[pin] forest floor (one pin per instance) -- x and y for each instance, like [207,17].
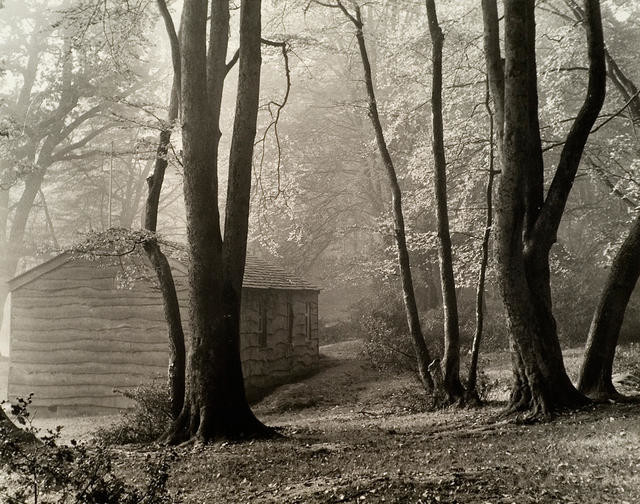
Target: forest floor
[352,434]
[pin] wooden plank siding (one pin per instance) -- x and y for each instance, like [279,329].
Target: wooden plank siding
[76,336]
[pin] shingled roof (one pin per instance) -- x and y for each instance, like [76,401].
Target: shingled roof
[261,274]
[258,274]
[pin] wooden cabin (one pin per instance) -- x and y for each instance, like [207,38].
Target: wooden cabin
[77,334]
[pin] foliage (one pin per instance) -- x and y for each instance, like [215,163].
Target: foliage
[49,472]
[146,422]
[383,326]
[124,248]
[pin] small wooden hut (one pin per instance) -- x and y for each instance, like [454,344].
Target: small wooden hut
[77,335]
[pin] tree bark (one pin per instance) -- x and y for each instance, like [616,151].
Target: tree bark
[423,357]
[451,356]
[177,357]
[471,392]
[215,404]
[495,65]
[176,368]
[526,225]
[597,366]
[595,373]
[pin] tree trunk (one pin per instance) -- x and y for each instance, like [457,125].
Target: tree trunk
[451,357]
[234,249]
[176,369]
[423,356]
[215,402]
[495,65]
[597,366]
[4,250]
[471,392]
[527,225]
[595,374]
[177,358]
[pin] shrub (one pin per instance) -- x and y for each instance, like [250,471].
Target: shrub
[147,421]
[45,471]
[383,326]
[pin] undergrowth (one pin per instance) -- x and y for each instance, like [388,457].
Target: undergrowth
[45,471]
[147,421]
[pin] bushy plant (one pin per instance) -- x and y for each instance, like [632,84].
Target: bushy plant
[383,326]
[147,421]
[39,469]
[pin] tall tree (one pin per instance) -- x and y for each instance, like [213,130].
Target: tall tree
[451,356]
[215,403]
[428,370]
[471,391]
[61,105]
[595,378]
[527,221]
[177,358]
[595,373]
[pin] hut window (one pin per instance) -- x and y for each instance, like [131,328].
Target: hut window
[307,320]
[290,323]
[262,323]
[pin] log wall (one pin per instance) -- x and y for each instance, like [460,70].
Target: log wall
[76,336]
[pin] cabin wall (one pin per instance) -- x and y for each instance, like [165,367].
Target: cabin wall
[76,336]
[280,359]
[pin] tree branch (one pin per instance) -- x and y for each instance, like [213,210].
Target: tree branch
[546,225]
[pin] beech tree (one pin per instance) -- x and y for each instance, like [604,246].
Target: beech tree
[177,356]
[215,403]
[527,221]
[597,367]
[63,108]
[451,357]
[471,392]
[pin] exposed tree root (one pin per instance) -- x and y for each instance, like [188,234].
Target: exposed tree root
[604,391]
[528,407]
[192,426]
[444,394]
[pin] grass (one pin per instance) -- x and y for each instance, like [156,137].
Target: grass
[354,435]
